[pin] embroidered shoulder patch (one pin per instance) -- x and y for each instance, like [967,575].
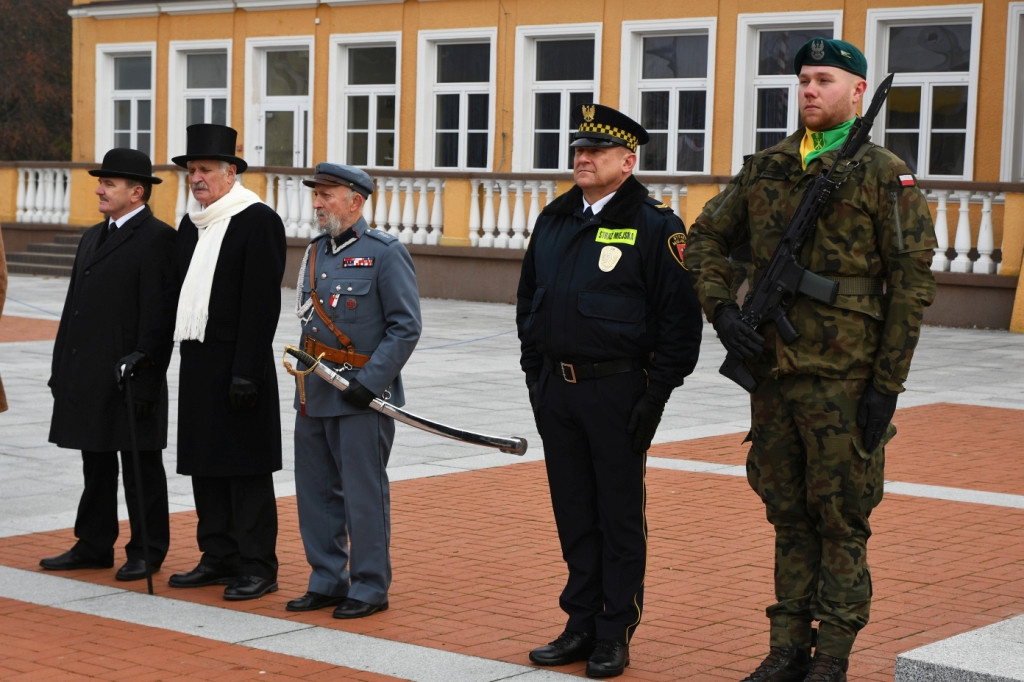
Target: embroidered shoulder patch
[357,263]
[677,246]
[907,180]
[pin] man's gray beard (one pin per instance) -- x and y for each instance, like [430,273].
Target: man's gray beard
[332,225]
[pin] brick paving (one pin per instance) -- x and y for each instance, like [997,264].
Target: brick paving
[477,570]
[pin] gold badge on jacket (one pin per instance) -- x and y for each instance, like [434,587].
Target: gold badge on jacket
[610,256]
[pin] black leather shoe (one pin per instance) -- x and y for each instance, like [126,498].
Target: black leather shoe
[70,561]
[783,664]
[609,659]
[353,608]
[201,576]
[134,569]
[311,601]
[249,587]
[568,647]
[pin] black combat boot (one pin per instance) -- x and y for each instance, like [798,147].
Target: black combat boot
[827,668]
[783,664]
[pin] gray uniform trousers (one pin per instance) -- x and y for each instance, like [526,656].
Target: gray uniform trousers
[346,523]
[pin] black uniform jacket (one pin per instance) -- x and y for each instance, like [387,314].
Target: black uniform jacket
[121,298]
[215,438]
[608,288]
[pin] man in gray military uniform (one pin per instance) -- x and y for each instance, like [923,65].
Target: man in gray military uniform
[359,307]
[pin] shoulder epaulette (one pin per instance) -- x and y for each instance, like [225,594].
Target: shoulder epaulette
[381,235]
[658,204]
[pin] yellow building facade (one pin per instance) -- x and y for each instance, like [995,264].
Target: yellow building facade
[459,91]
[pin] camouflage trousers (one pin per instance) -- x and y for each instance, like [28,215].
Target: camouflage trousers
[819,486]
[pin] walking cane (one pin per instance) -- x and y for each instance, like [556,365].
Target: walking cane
[126,381]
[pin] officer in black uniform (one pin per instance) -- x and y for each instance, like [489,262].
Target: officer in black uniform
[609,325]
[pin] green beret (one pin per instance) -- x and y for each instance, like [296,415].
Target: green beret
[831,52]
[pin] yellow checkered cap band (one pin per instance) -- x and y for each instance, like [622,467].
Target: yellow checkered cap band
[618,133]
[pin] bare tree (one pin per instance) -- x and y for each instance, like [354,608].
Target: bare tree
[35,89]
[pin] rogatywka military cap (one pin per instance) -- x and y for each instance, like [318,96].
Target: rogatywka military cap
[600,126]
[340,174]
[831,52]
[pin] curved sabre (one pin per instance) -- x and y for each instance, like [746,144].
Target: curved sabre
[512,445]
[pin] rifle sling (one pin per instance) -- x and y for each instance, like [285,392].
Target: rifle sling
[857,286]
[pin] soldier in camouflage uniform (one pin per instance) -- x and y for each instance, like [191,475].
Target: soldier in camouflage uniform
[821,413]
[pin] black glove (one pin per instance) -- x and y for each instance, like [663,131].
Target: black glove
[127,365]
[243,393]
[874,414]
[737,336]
[357,395]
[645,419]
[144,409]
[534,391]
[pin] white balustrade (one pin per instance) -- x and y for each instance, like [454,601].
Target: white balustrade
[986,238]
[488,222]
[940,262]
[43,195]
[412,209]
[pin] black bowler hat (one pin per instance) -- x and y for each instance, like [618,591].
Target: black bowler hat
[600,126]
[122,162]
[339,174]
[211,141]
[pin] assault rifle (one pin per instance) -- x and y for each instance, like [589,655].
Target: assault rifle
[785,277]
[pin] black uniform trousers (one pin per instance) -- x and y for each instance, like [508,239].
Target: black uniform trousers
[237,523]
[96,525]
[598,497]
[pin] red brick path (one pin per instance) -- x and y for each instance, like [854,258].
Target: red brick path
[477,570]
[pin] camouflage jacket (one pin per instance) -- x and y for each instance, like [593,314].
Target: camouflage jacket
[877,226]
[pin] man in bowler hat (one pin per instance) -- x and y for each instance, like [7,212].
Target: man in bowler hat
[116,326]
[231,257]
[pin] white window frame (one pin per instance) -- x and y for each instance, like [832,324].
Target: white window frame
[256,50]
[748,26]
[525,83]
[631,75]
[1011,167]
[104,124]
[177,84]
[427,88]
[338,90]
[876,51]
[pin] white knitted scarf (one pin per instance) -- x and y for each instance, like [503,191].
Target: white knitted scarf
[212,223]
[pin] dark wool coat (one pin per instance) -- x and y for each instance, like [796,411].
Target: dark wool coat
[121,298]
[215,438]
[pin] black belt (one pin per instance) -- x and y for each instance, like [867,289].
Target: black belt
[575,371]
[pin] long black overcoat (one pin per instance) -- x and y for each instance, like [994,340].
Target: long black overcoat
[121,298]
[214,438]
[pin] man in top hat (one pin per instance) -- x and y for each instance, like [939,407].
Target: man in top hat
[116,326]
[609,326]
[821,411]
[359,308]
[231,259]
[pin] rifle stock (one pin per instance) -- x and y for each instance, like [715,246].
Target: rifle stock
[784,277]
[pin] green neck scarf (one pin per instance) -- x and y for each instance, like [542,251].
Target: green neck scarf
[815,144]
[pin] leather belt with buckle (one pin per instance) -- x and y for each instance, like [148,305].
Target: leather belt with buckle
[573,372]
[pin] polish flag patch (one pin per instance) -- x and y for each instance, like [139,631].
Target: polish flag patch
[907,180]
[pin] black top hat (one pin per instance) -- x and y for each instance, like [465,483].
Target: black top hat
[211,141]
[121,162]
[601,126]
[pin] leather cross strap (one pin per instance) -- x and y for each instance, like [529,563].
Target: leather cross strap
[347,353]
